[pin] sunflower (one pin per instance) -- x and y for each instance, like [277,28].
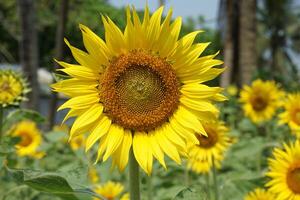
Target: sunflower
[141,88]
[260,194]
[109,190]
[284,171]
[77,143]
[232,90]
[261,100]
[93,175]
[13,88]
[291,116]
[30,139]
[213,146]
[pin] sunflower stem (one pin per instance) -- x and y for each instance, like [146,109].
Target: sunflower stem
[215,181]
[134,180]
[207,185]
[186,176]
[149,187]
[1,121]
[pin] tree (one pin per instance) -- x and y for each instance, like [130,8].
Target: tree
[59,54]
[247,40]
[29,49]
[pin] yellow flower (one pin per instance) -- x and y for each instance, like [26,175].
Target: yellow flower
[260,194]
[30,139]
[284,171]
[260,100]
[78,142]
[125,196]
[232,90]
[213,146]
[110,190]
[12,88]
[62,128]
[141,88]
[291,116]
[93,175]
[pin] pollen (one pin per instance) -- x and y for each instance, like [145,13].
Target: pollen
[139,90]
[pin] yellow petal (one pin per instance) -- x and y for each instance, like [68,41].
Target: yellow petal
[121,155]
[114,137]
[80,102]
[100,130]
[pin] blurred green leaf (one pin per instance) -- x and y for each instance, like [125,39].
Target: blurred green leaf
[191,194]
[22,114]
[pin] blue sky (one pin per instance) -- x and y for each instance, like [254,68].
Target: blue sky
[184,8]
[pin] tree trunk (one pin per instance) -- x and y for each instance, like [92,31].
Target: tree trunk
[59,54]
[228,44]
[247,40]
[29,49]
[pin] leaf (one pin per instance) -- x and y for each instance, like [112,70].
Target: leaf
[7,145]
[51,183]
[190,194]
[22,114]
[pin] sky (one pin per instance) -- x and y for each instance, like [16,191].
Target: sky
[184,8]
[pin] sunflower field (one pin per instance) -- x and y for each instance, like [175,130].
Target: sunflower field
[105,101]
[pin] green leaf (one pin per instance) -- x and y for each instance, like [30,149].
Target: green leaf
[190,194]
[7,145]
[51,183]
[22,114]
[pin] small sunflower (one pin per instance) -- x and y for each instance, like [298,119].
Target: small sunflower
[30,139]
[141,88]
[109,190]
[93,175]
[13,88]
[260,100]
[232,90]
[284,171]
[212,146]
[291,115]
[78,142]
[260,194]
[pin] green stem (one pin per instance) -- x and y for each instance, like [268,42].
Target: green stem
[207,185]
[134,181]
[149,187]
[186,175]
[214,171]
[1,121]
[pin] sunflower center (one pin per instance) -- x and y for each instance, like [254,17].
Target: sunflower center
[293,178]
[140,91]
[210,140]
[297,116]
[25,140]
[259,103]
[5,86]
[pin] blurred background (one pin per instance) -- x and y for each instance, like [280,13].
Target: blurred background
[256,38]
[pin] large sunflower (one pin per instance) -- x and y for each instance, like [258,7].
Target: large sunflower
[13,88]
[213,146]
[142,88]
[261,100]
[30,139]
[291,115]
[260,194]
[285,172]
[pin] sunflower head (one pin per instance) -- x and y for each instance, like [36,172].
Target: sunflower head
[291,115]
[232,90]
[260,100]
[285,171]
[13,88]
[142,88]
[30,139]
[110,190]
[214,145]
[78,142]
[260,194]
[93,175]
